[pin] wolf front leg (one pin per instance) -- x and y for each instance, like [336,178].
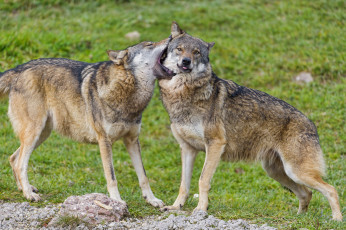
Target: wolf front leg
[188,156]
[133,148]
[214,150]
[107,162]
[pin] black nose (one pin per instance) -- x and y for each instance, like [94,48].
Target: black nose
[186,61]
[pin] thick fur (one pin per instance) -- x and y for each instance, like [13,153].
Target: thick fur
[236,123]
[91,103]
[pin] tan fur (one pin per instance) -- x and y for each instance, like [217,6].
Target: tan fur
[235,123]
[91,103]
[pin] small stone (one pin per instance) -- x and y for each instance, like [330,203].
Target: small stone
[112,224]
[221,223]
[304,77]
[134,35]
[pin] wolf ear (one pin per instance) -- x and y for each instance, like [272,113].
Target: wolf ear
[175,30]
[211,45]
[117,56]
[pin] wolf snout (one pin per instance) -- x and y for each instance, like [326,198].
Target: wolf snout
[185,65]
[186,61]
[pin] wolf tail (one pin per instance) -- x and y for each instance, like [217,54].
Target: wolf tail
[5,82]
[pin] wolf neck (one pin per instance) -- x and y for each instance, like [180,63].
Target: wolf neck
[187,86]
[183,93]
[125,89]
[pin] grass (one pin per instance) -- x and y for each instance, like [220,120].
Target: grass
[71,222]
[259,44]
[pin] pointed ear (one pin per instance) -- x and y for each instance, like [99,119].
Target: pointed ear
[211,45]
[175,30]
[117,56]
[112,54]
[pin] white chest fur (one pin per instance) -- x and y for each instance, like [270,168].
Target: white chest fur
[192,133]
[118,130]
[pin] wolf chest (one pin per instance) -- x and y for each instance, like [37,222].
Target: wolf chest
[192,133]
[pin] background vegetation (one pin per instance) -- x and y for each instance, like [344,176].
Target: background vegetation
[259,44]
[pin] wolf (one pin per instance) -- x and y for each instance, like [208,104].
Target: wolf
[236,123]
[96,103]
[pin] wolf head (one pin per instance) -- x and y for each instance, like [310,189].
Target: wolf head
[187,54]
[143,59]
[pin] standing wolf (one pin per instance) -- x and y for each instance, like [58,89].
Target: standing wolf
[90,103]
[235,123]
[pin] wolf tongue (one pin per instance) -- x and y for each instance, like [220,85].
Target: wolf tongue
[184,67]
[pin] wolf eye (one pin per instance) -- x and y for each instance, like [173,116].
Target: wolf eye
[149,43]
[196,52]
[179,49]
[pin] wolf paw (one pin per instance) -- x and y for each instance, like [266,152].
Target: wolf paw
[34,189]
[157,203]
[169,208]
[199,210]
[123,202]
[119,200]
[32,196]
[337,217]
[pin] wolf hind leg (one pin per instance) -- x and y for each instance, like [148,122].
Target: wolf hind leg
[28,142]
[275,170]
[314,180]
[31,133]
[13,160]
[306,167]
[14,157]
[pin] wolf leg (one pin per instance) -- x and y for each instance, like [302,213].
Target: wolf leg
[328,191]
[188,156]
[133,148]
[107,163]
[214,151]
[14,157]
[13,161]
[306,168]
[32,134]
[275,170]
[314,180]
[20,167]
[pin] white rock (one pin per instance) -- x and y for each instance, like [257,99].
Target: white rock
[304,77]
[134,35]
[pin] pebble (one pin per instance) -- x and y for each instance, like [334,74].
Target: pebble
[132,36]
[304,77]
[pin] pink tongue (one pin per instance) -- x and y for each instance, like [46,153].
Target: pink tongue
[184,67]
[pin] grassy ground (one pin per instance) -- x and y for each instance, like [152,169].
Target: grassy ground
[259,44]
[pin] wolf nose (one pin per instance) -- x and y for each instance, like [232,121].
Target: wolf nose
[186,61]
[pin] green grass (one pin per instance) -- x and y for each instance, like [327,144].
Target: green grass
[259,44]
[71,222]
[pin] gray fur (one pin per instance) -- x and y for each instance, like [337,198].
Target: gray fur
[87,102]
[233,123]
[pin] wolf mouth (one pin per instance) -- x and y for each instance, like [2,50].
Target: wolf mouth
[184,69]
[168,73]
